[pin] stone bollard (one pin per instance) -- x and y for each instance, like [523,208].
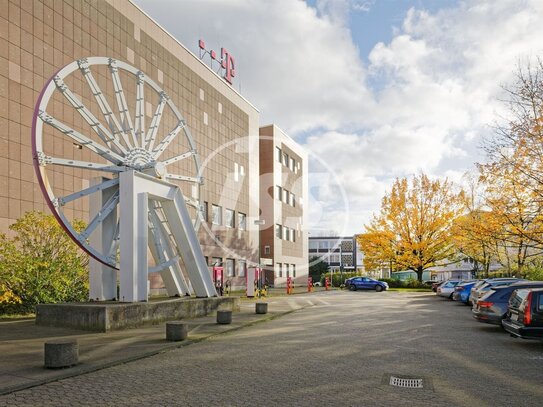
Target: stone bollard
[261,308]
[224,317]
[176,331]
[59,354]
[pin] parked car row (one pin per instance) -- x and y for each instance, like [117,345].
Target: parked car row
[515,304]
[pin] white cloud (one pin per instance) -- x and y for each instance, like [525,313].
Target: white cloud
[421,104]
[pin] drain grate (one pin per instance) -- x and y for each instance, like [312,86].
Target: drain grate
[409,383]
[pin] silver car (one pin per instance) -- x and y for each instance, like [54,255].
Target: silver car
[447,288]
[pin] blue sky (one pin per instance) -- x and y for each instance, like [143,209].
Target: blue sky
[376,89]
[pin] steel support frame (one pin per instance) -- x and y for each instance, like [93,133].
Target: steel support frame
[136,189]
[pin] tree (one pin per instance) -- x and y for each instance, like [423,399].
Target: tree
[317,267]
[413,229]
[41,264]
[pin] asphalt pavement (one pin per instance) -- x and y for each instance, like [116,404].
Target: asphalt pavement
[341,348]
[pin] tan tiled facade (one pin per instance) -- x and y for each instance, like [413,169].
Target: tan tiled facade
[283,195]
[39,37]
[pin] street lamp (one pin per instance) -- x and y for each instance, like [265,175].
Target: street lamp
[259,222]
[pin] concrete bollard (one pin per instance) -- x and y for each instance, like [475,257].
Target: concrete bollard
[261,307]
[59,354]
[224,317]
[176,331]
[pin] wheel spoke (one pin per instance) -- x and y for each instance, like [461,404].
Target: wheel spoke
[179,157]
[197,180]
[126,119]
[86,165]
[168,139]
[155,122]
[111,119]
[87,191]
[86,114]
[81,139]
[140,109]
[110,204]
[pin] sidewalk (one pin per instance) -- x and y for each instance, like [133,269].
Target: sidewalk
[22,342]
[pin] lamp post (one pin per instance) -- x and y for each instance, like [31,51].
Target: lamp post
[259,223]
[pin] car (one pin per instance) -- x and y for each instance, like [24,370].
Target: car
[525,314]
[462,291]
[435,285]
[492,307]
[485,285]
[365,283]
[447,288]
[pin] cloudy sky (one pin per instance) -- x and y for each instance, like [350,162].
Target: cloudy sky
[375,89]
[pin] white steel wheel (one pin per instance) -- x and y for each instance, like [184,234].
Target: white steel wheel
[95,112]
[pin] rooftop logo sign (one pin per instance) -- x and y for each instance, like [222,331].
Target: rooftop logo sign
[226,64]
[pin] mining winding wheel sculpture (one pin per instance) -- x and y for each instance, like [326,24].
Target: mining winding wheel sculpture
[139,185]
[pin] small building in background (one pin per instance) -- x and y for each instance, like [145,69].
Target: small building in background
[340,253]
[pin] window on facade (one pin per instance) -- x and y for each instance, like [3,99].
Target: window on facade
[279,154]
[279,192]
[285,159]
[207,260]
[292,199]
[266,249]
[285,196]
[313,245]
[287,233]
[229,218]
[291,164]
[287,270]
[279,231]
[294,270]
[242,221]
[278,270]
[216,261]
[323,244]
[242,266]
[217,214]
[229,267]
[293,235]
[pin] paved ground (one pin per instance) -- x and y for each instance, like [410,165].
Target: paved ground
[336,352]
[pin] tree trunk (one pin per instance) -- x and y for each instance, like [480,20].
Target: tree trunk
[419,273]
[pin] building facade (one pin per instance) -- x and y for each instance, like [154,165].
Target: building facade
[42,36]
[340,253]
[283,198]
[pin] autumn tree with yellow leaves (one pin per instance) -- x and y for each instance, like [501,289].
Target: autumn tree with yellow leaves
[414,228]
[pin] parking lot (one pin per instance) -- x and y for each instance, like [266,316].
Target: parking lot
[340,351]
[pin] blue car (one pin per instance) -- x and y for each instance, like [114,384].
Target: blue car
[365,283]
[463,290]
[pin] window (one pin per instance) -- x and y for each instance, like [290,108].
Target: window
[279,231]
[313,244]
[216,261]
[323,244]
[279,154]
[292,199]
[267,249]
[285,159]
[287,272]
[279,192]
[294,270]
[287,233]
[242,224]
[242,266]
[285,196]
[278,270]
[229,218]
[293,234]
[207,260]
[291,164]
[217,214]
[229,267]
[205,211]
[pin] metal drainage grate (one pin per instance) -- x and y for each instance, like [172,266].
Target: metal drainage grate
[409,383]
